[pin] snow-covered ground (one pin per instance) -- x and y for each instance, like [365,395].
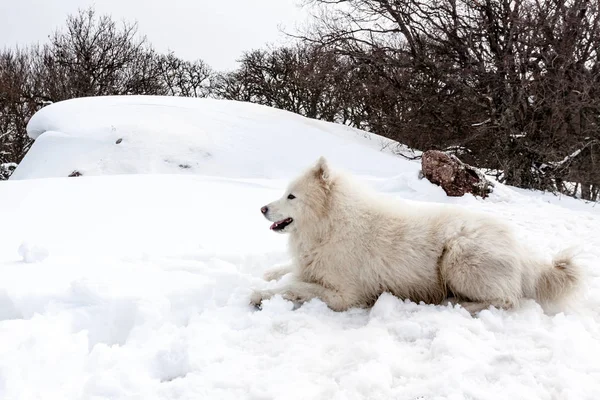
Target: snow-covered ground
[132,281]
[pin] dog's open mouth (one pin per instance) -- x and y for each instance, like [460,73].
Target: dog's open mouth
[280,225]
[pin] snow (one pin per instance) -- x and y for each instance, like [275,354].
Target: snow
[166,135]
[574,154]
[132,281]
[32,253]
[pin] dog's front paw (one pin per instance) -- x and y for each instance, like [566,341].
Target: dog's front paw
[258,296]
[295,296]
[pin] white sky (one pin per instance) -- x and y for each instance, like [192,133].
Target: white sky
[216,31]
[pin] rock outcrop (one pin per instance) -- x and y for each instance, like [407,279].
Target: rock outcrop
[454,176]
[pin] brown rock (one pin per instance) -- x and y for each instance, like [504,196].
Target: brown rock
[454,176]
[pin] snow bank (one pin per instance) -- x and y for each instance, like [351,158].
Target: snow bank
[169,135]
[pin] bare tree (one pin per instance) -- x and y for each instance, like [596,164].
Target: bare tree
[184,78]
[95,56]
[513,82]
[18,101]
[306,80]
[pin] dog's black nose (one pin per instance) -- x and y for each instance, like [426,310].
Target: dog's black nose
[264,209]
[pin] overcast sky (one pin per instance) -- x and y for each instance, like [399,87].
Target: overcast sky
[216,31]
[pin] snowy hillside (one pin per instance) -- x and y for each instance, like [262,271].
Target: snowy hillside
[132,281]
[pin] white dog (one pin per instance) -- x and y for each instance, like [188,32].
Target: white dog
[349,246]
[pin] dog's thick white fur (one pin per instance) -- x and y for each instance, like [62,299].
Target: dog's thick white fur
[349,245]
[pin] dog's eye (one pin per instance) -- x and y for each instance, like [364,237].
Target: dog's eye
[291,196]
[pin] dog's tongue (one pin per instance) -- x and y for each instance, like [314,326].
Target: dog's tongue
[276,224]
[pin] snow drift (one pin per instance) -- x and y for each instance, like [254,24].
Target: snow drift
[166,135]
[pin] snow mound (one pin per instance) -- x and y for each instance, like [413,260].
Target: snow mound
[173,135]
[32,253]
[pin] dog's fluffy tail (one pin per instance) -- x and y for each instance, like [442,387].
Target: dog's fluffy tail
[558,281]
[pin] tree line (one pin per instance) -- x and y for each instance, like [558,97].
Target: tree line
[92,56]
[511,86]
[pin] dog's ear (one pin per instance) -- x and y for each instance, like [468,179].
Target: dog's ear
[321,170]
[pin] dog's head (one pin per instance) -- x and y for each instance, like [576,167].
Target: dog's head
[304,202]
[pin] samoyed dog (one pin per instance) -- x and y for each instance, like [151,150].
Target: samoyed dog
[349,245]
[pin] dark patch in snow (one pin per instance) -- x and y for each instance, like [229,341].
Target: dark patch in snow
[75,174]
